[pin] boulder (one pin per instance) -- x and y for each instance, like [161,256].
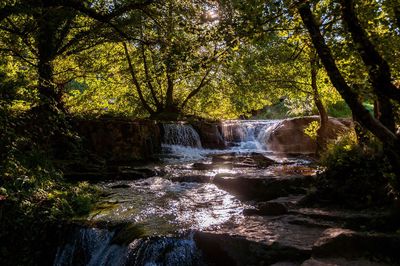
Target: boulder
[191,178]
[345,243]
[341,262]
[233,132]
[262,188]
[288,135]
[212,166]
[267,208]
[224,249]
[210,134]
[253,159]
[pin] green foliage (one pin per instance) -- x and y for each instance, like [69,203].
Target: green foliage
[340,109]
[312,129]
[355,176]
[33,195]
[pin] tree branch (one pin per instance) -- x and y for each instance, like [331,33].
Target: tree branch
[351,98]
[378,68]
[135,81]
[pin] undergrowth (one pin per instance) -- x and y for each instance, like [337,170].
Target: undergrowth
[356,176]
[34,198]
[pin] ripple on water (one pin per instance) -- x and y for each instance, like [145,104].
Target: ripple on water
[163,206]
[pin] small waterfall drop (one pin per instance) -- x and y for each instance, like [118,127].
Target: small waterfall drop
[248,135]
[95,247]
[181,134]
[91,246]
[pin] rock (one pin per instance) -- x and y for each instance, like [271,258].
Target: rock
[191,178]
[206,166]
[345,243]
[288,135]
[253,159]
[210,134]
[267,208]
[262,188]
[250,212]
[223,249]
[130,173]
[356,220]
[285,263]
[120,186]
[233,132]
[121,140]
[341,262]
[272,208]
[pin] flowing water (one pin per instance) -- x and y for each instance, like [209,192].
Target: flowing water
[153,221]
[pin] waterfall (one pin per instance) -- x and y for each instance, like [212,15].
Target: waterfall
[90,246]
[181,134]
[95,247]
[248,135]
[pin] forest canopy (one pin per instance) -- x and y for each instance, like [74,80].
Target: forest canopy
[203,58]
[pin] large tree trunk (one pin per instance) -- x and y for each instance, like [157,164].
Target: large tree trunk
[389,139]
[46,53]
[378,68]
[322,130]
[347,93]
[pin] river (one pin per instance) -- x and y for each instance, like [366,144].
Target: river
[187,213]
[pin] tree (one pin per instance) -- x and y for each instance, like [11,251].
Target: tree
[49,29]
[179,51]
[378,72]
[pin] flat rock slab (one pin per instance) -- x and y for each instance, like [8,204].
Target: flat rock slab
[339,242]
[366,219]
[268,230]
[191,178]
[224,249]
[341,262]
[263,188]
[253,159]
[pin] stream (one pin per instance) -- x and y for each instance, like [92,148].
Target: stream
[203,207]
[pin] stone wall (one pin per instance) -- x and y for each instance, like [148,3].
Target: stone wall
[120,139]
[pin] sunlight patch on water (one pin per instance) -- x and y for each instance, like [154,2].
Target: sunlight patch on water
[160,205]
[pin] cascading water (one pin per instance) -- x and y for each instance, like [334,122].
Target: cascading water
[159,220]
[91,246]
[100,247]
[182,141]
[181,134]
[248,135]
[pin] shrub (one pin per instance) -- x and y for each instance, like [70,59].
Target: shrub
[354,176]
[34,198]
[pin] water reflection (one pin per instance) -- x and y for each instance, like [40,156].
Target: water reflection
[164,206]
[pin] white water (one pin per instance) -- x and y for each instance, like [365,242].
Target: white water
[95,247]
[182,143]
[181,134]
[248,135]
[152,202]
